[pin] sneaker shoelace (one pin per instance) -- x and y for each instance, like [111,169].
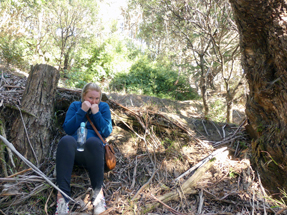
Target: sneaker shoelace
[62,206]
[103,200]
[100,206]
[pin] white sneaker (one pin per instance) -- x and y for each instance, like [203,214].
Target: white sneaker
[62,207]
[99,203]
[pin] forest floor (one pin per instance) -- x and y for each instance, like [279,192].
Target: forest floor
[151,159]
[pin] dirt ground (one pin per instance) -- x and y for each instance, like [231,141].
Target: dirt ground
[152,159]
[229,186]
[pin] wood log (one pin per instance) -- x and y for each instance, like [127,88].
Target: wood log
[38,99]
[188,187]
[65,97]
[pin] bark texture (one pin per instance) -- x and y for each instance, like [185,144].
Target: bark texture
[263,41]
[38,99]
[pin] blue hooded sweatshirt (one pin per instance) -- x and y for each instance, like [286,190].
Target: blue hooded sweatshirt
[102,120]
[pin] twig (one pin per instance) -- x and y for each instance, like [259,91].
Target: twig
[187,131]
[2,212]
[23,178]
[142,188]
[46,204]
[253,207]
[216,129]
[230,138]
[80,202]
[168,207]
[11,86]
[2,78]
[228,194]
[123,107]
[205,128]
[182,192]
[227,140]
[127,125]
[236,149]
[136,115]
[264,194]
[14,91]
[196,128]
[279,212]
[26,132]
[19,173]
[201,200]
[135,172]
[34,192]
[214,198]
[223,131]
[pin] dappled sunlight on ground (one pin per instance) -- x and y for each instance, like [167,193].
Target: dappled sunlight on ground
[151,163]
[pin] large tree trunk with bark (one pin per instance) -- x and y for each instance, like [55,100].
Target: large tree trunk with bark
[31,134]
[263,39]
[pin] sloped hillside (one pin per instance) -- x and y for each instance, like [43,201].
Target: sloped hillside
[170,160]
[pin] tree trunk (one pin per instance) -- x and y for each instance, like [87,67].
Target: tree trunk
[203,95]
[263,42]
[203,86]
[38,99]
[229,103]
[229,109]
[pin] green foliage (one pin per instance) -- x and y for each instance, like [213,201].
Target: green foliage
[243,145]
[153,79]
[232,173]
[11,51]
[99,61]
[217,110]
[279,202]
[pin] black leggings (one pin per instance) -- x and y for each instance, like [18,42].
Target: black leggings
[92,158]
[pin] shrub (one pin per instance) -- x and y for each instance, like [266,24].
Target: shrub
[153,79]
[11,51]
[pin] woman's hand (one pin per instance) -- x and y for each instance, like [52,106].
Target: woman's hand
[95,108]
[86,106]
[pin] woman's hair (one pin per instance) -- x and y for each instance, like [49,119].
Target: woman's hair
[91,86]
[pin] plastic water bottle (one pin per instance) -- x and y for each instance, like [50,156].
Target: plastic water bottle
[82,136]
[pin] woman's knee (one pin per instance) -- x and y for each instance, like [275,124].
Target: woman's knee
[67,141]
[94,142]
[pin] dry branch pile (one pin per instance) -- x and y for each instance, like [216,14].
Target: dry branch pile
[163,165]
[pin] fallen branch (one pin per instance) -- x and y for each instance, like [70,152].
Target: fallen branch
[201,163]
[144,186]
[187,186]
[26,132]
[230,138]
[137,116]
[35,169]
[169,208]
[23,178]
